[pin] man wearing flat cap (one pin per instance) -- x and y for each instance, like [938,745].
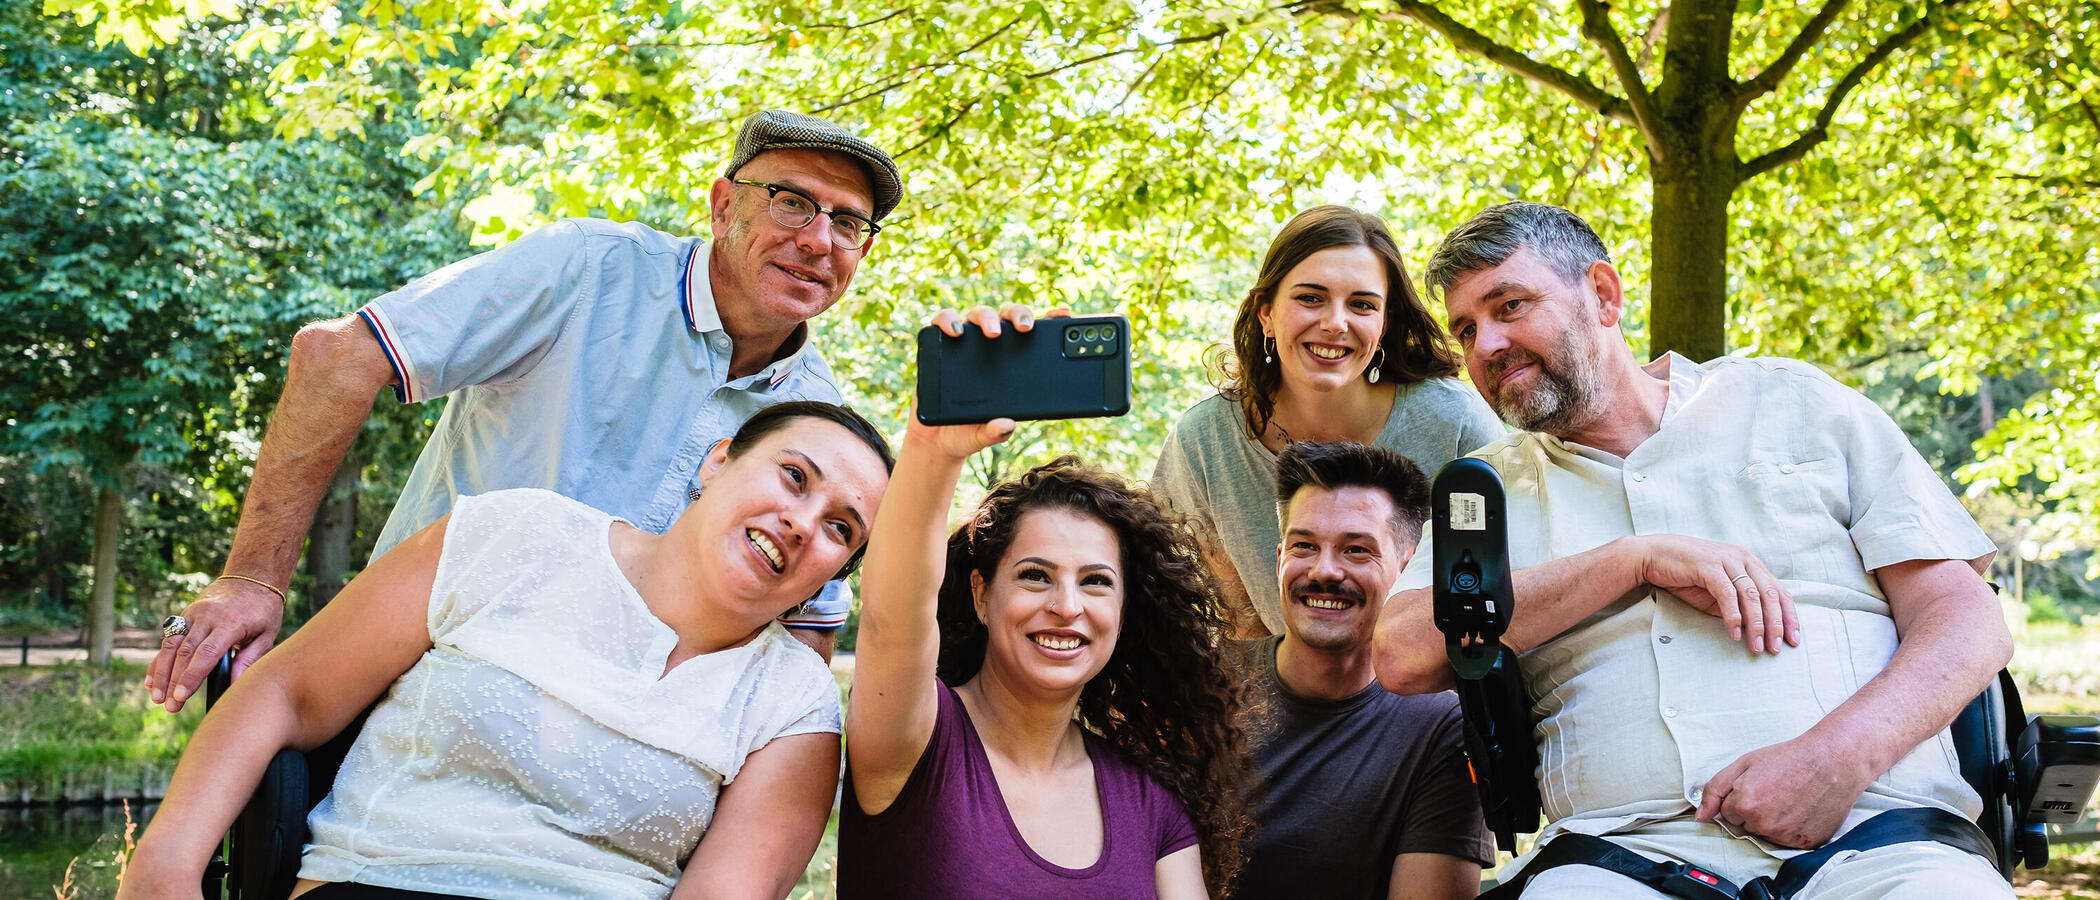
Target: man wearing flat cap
[598,359]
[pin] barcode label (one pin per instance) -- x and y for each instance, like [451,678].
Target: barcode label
[1468,512]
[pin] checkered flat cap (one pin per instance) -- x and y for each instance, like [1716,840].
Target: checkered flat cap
[778,129]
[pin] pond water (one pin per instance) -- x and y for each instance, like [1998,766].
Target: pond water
[38,843]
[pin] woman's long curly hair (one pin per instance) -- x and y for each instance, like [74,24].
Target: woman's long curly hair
[1164,698]
[1416,348]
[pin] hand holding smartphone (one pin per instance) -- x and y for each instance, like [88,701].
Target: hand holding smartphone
[1063,368]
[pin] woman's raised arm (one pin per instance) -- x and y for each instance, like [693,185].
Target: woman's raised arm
[298,696]
[891,715]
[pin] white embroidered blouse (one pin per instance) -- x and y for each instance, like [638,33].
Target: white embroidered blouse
[534,750]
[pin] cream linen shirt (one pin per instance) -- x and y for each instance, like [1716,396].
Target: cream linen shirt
[1645,700]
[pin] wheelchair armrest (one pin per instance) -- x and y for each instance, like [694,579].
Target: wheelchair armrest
[2056,767]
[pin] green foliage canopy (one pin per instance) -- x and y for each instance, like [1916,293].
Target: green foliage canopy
[1923,179]
[164,243]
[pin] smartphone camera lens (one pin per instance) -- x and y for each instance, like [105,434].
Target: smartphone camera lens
[1091,331]
[1071,335]
[1108,332]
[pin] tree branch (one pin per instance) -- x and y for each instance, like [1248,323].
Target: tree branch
[972,103]
[1590,96]
[2066,182]
[1235,77]
[1768,80]
[944,127]
[1655,32]
[1596,25]
[1567,197]
[844,26]
[1820,131]
[1211,35]
[870,93]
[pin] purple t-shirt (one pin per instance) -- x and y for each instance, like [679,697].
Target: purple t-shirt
[948,834]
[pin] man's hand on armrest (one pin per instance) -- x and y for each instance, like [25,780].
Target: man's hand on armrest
[228,613]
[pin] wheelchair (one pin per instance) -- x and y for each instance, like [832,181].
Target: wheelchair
[2031,771]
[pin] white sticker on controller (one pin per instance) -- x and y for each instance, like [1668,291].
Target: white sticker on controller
[1468,512]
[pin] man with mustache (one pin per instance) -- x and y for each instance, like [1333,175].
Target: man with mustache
[601,360]
[1364,793]
[1746,609]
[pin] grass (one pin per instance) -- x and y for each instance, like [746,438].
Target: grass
[77,729]
[2055,665]
[819,880]
[2073,873]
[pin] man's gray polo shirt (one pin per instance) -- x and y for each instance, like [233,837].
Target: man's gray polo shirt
[586,358]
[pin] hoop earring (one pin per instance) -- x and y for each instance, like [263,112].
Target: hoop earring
[1377,361]
[1268,348]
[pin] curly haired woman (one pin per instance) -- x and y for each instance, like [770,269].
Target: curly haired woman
[1041,713]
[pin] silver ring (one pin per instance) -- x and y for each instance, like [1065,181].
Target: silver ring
[174,626]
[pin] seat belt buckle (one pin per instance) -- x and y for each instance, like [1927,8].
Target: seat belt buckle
[1691,881]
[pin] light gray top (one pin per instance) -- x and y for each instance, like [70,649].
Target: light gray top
[1214,471]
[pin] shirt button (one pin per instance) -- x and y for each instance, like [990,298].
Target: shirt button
[1787,469]
[1638,477]
[1669,712]
[1664,639]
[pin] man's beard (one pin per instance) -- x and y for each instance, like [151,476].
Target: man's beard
[1330,641]
[1562,395]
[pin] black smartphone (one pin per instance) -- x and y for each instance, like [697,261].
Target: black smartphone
[1061,369]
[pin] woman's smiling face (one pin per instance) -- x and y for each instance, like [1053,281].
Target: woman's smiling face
[785,515]
[1054,604]
[1327,317]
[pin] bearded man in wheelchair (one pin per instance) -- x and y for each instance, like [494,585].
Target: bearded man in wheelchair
[1745,609]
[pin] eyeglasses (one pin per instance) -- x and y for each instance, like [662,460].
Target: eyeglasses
[795,209]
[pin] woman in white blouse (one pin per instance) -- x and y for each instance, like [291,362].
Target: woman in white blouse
[573,707]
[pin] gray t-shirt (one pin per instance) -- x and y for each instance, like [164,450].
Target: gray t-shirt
[1349,784]
[1215,472]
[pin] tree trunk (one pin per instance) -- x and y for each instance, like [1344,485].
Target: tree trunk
[1688,248]
[102,603]
[328,541]
[1983,394]
[51,564]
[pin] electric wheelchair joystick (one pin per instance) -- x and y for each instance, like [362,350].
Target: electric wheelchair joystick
[1472,604]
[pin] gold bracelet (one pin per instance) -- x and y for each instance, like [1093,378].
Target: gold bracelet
[271,587]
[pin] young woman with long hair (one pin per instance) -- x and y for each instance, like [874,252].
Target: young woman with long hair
[1332,343]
